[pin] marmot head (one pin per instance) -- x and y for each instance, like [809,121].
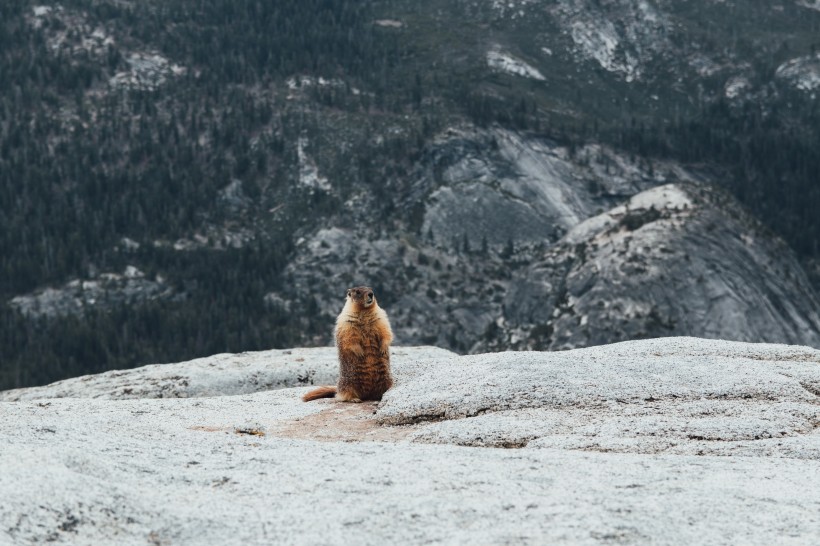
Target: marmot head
[362,296]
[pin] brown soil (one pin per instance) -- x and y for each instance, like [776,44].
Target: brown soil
[343,422]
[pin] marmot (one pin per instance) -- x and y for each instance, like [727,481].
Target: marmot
[363,338]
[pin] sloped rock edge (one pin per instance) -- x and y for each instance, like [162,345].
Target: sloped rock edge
[679,395]
[217,375]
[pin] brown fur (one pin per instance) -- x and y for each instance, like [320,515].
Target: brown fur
[321,392]
[363,338]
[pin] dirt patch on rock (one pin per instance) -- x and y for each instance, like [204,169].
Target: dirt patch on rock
[341,422]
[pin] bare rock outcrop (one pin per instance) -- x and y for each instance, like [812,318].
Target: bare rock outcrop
[217,375]
[672,441]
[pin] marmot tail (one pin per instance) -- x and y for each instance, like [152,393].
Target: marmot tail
[321,392]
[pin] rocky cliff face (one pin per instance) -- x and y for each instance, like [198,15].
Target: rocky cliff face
[673,259]
[606,249]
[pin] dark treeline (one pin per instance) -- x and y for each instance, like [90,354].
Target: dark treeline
[222,309]
[767,159]
[80,169]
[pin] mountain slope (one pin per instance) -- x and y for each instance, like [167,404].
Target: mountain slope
[217,151]
[672,260]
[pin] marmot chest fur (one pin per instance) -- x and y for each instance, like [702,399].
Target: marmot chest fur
[363,338]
